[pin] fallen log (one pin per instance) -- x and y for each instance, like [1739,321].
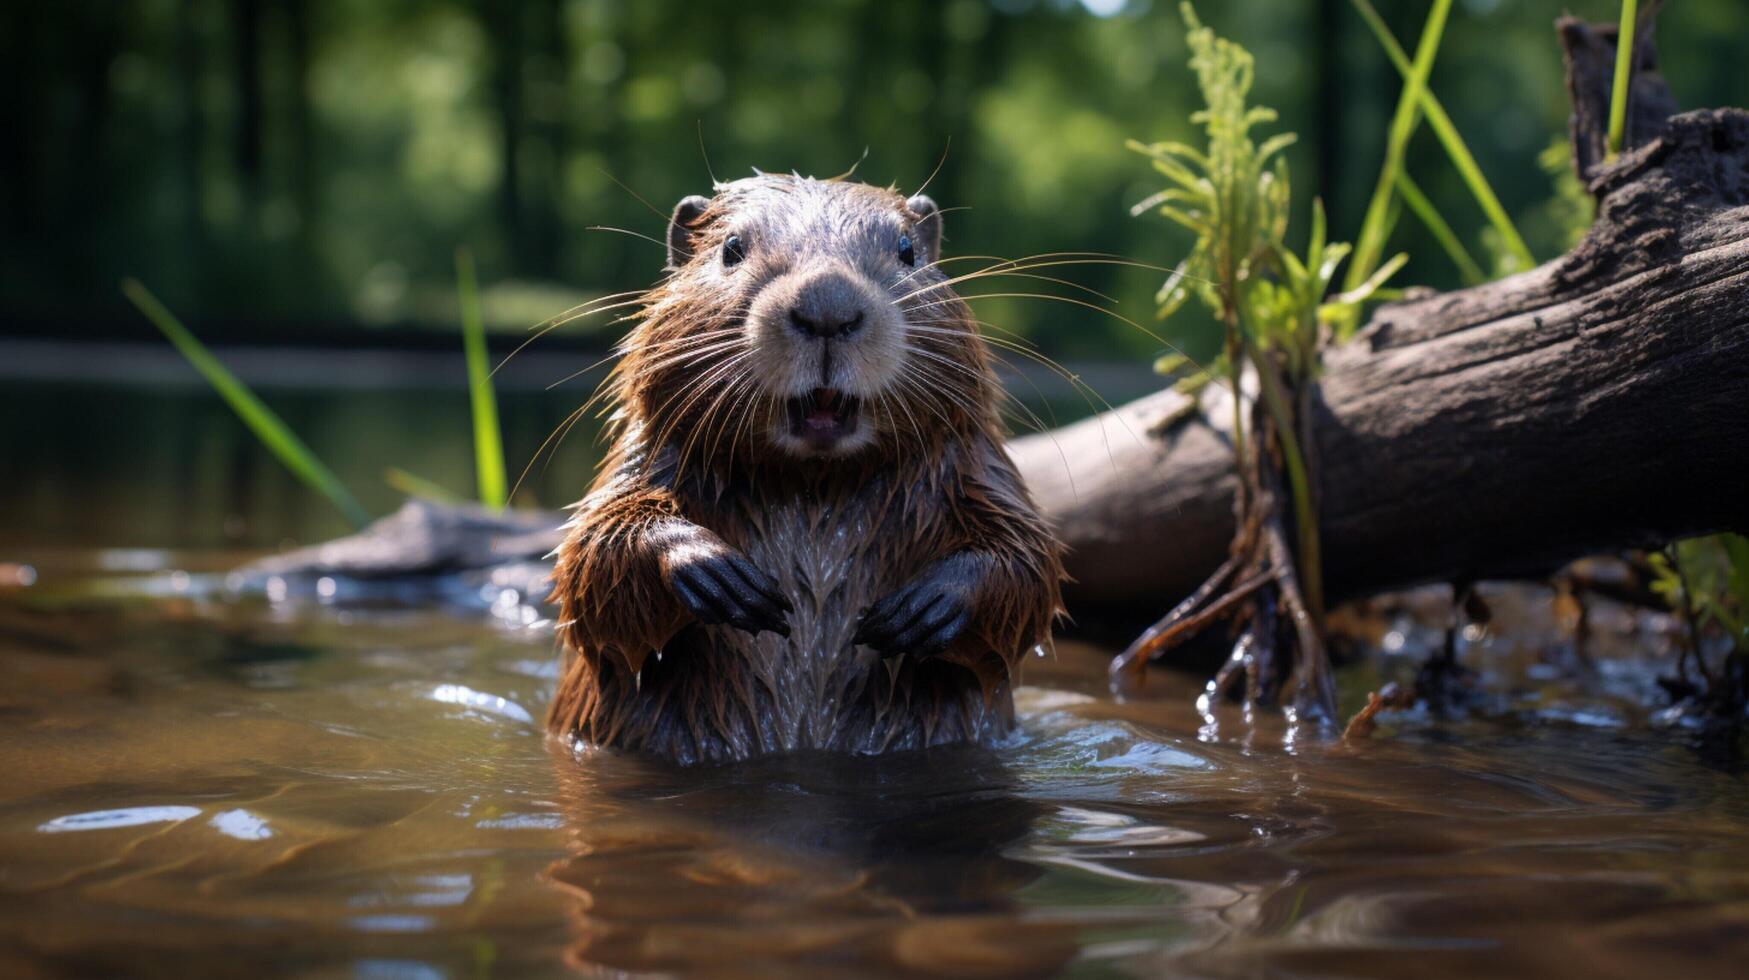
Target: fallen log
[1598,402]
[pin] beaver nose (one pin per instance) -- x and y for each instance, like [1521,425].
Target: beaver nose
[827,305]
[826,325]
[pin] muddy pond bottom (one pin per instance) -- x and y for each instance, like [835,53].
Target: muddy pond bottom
[201,786]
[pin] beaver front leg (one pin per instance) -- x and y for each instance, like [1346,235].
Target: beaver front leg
[632,572]
[928,613]
[997,588]
[715,583]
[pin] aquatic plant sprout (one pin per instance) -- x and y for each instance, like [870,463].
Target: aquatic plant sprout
[1235,195]
[267,426]
[488,442]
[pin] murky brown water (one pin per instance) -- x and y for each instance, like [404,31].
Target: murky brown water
[203,787]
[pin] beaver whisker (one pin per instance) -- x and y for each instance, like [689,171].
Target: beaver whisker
[996,262]
[1056,259]
[683,455]
[1003,269]
[689,392]
[571,316]
[745,427]
[631,366]
[978,377]
[913,384]
[683,355]
[733,389]
[559,432]
[695,389]
[1061,299]
[579,373]
[733,394]
[910,417]
[1080,387]
[725,371]
[613,300]
[627,231]
[747,406]
[1017,271]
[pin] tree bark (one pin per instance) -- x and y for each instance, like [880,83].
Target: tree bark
[1598,402]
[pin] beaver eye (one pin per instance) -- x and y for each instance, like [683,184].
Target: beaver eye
[907,254]
[733,250]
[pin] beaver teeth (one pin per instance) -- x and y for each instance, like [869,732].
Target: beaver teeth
[822,417]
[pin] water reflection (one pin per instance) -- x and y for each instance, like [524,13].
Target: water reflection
[234,787]
[900,863]
[133,816]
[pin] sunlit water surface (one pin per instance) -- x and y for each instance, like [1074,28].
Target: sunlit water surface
[203,786]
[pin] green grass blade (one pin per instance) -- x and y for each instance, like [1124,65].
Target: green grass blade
[1371,243]
[488,446]
[414,485]
[1448,240]
[1454,144]
[268,427]
[1624,71]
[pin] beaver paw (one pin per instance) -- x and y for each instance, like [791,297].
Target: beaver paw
[722,587]
[921,619]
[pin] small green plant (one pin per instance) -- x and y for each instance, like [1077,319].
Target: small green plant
[1234,194]
[488,443]
[261,420]
[1706,582]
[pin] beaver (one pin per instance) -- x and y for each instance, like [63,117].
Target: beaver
[806,533]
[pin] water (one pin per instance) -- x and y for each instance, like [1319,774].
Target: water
[202,786]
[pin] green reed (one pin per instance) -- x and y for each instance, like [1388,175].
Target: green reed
[1449,138]
[267,426]
[488,441]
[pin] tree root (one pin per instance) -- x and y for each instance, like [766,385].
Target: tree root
[1258,589]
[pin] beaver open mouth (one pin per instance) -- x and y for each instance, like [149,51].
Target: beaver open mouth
[823,418]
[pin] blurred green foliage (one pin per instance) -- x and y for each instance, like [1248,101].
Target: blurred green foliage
[313,164]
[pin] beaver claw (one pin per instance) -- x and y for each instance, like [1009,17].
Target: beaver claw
[921,619]
[725,588]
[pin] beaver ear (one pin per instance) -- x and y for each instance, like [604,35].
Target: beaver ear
[680,228]
[928,226]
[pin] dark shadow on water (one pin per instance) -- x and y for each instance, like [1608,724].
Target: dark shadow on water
[801,862]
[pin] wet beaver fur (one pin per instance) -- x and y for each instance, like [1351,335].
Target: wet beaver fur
[806,533]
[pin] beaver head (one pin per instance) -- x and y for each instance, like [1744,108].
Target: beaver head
[804,318]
